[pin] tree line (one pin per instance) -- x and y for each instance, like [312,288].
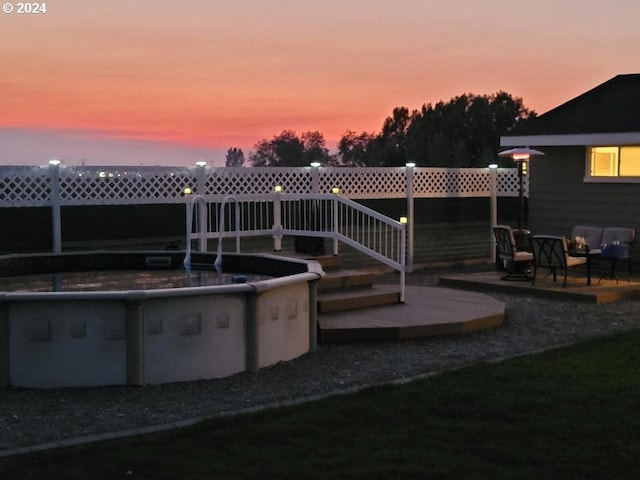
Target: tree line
[463,132]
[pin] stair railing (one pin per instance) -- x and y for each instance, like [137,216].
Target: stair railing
[313,215]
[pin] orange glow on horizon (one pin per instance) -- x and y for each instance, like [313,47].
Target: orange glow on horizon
[221,75]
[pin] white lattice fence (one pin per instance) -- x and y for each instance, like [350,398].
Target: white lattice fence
[260,180]
[365,182]
[123,185]
[25,186]
[37,186]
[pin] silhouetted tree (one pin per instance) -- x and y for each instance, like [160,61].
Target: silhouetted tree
[288,150]
[235,157]
[464,132]
[356,149]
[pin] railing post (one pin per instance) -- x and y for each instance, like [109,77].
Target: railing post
[410,215]
[336,221]
[315,177]
[54,169]
[493,207]
[201,176]
[277,219]
[202,221]
[403,257]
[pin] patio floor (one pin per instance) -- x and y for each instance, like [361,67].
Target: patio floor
[600,291]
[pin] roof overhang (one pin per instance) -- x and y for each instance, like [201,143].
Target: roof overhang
[579,139]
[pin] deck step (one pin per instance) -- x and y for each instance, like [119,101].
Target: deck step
[358,298]
[341,279]
[328,262]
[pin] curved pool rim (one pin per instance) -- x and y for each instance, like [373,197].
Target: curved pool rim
[215,331]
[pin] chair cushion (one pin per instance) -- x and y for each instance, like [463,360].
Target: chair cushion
[573,261]
[523,256]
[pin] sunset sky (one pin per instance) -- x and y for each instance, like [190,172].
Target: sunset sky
[166,82]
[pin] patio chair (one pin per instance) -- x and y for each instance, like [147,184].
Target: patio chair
[552,252]
[516,262]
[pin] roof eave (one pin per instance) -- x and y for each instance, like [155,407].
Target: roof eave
[579,139]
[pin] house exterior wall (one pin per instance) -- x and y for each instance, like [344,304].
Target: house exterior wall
[560,198]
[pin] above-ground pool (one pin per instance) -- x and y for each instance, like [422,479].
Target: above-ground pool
[115,318]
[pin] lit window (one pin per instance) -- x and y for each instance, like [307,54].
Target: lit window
[630,161]
[615,161]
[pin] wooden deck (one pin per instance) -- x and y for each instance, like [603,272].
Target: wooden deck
[600,291]
[427,311]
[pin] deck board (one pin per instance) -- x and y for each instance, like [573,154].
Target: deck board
[427,311]
[600,290]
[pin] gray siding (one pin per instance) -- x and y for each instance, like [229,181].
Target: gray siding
[560,199]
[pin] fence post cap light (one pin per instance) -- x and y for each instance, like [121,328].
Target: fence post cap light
[335,190]
[201,163]
[403,220]
[493,166]
[54,161]
[278,188]
[188,191]
[315,164]
[410,164]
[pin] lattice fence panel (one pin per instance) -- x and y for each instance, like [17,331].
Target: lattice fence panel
[33,186]
[239,181]
[449,182]
[25,187]
[123,185]
[364,182]
[509,184]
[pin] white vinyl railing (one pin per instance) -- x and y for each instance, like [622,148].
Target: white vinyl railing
[312,215]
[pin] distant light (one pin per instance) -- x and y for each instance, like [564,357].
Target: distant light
[335,190]
[403,220]
[493,165]
[201,163]
[315,164]
[54,161]
[278,188]
[410,164]
[102,174]
[188,191]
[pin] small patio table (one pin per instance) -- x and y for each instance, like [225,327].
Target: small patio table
[613,253]
[589,254]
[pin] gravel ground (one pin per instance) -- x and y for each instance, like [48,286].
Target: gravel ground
[32,416]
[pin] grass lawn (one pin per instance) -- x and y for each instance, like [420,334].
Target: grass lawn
[572,413]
